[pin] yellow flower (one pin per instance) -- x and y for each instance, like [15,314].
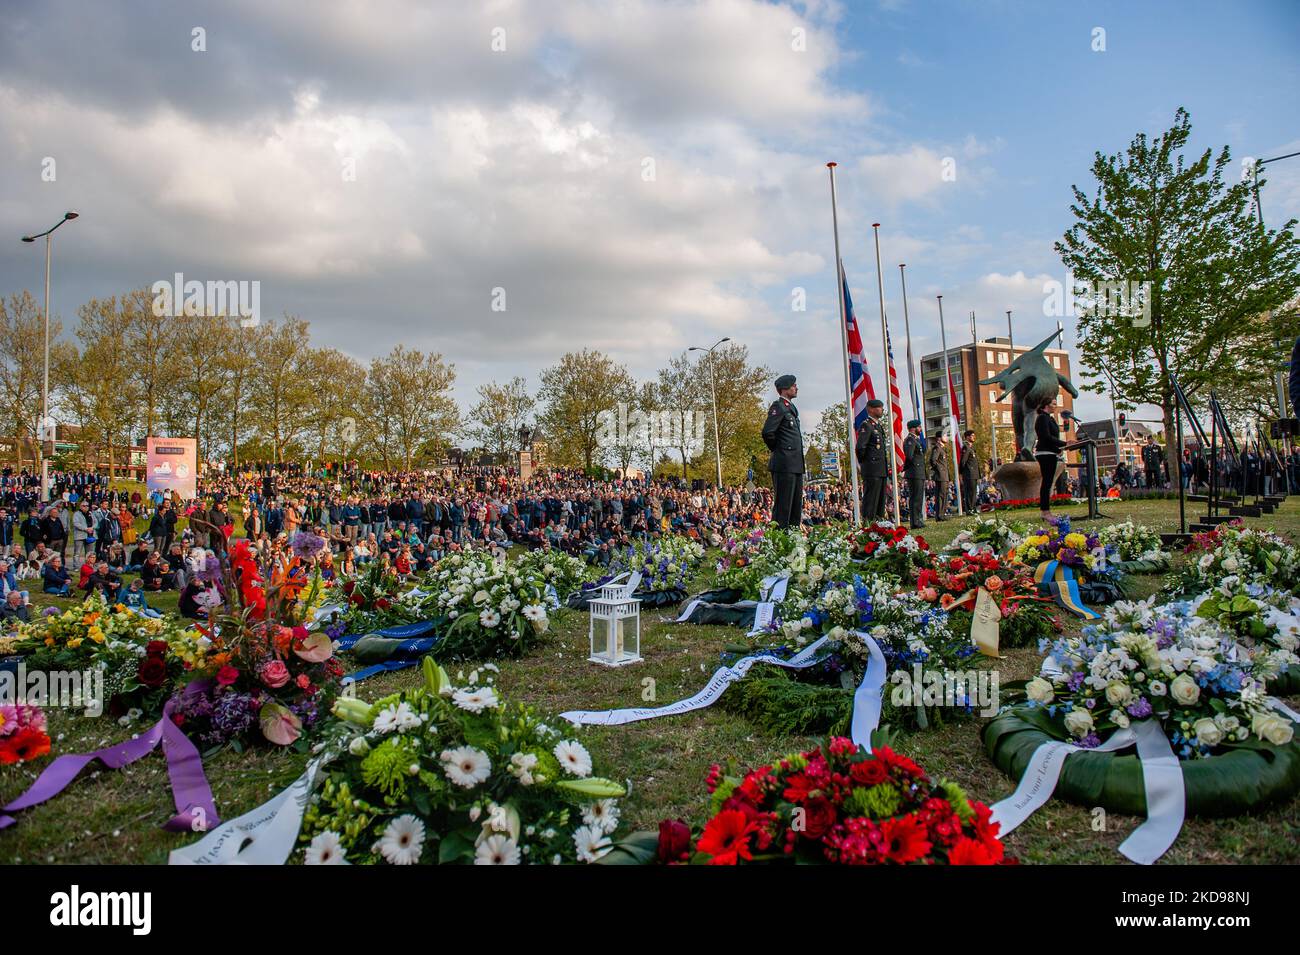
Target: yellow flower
[1076,541]
[74,643]
[49,641]
[95,634]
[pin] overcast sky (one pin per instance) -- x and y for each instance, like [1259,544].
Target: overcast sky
[380,168]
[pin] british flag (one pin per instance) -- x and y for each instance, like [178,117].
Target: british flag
[860,386]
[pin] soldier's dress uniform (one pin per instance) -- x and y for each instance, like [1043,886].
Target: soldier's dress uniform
[939,466]
[914,474]
[873,467]
[969,475]
[783,438]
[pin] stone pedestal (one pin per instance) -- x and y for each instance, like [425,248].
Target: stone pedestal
[1020,480]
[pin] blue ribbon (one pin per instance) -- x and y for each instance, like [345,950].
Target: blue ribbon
[406,654]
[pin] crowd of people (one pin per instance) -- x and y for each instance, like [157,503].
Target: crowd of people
[90,536]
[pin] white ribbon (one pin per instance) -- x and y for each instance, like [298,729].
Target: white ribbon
[721,679]
[764,613]
[690,609]
[320,613]
[262,836]
[867,699]
[1282,708]
[1162,779]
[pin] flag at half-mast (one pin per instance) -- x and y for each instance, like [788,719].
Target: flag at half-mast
[895,397]
[956,412]
[860,386]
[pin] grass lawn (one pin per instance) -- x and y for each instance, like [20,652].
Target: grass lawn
[115,816]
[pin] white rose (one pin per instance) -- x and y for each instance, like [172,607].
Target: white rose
[816,572]
[1230,563]
[1119,718]
[1039,690]
[1118,693]
[1273,728]
[1157,688]
[1208,732]
[1184,690]
[1079,723]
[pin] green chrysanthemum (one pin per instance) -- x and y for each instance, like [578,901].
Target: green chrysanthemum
[876,802]
[956,797]
[387,767]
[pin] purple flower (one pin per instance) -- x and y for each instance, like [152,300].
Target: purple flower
[50,612]
[306,545]
[1091,741]
[1140,709]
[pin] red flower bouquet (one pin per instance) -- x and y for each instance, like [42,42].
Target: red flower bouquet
[841,805]
[890,549]
[1026,615]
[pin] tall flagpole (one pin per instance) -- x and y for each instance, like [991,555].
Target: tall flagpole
[911,366]
[947,393]
[884,346]
[844,354]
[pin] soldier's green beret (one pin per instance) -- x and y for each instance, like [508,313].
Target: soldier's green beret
[785,381]
[875,403]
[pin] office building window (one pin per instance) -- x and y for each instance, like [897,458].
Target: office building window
[1002,358]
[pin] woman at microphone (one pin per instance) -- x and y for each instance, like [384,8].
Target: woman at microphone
[1047,450]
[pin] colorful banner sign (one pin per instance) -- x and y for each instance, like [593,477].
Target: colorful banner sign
[172,465]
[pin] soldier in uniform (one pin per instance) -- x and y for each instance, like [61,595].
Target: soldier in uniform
[782,436]
[939,468]
[1151,459]
[914,474]
[873,466]
[970,470]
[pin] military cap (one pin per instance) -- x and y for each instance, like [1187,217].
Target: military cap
[914,423]
[875,403]
[785,381]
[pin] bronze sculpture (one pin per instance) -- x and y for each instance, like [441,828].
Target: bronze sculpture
[1031,381]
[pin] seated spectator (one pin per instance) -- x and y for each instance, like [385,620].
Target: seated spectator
[14,610]
[139,554]
[105,581]
[87,571]
[189,604]
[156,575]
[133,598]
[54,577]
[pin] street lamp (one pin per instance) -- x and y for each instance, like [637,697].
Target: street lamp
[45,387]
[713,392]
[1259,212]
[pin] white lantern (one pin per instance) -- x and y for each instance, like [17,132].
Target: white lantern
[615,631]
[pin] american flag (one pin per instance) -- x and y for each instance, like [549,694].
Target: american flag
[860,386]
[895,398]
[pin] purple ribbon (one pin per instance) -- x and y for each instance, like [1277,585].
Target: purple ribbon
[195,811]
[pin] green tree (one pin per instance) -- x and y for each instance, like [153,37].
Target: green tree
[410,396]
[501,411]
[1176,228]
[22,366]
[573,396]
